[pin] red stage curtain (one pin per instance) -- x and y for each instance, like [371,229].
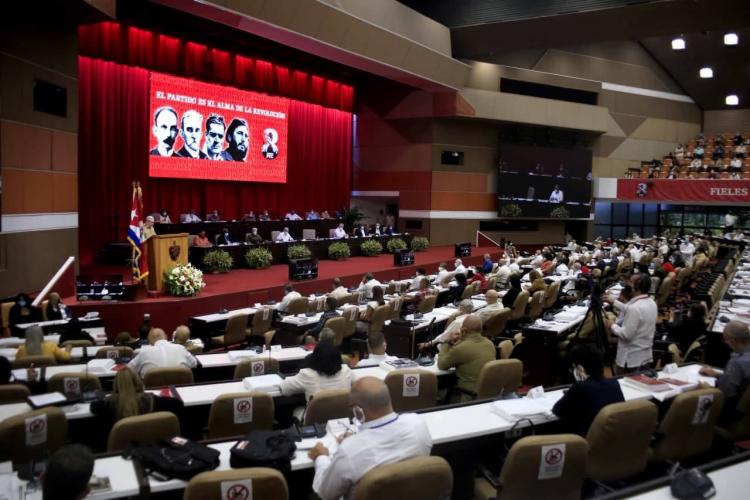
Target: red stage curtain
[113,108]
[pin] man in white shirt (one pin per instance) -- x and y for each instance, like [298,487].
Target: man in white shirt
[339,232]
[465,308]
[556,196]
[503,271]
[442,273]
[562,269]
[687,249]
[458,267]
[635,328]
[192,217]
[339,291]
[292,215]
[377,346]
[384,437]
[417,280]
[377,230]
[730,219]
[493,306]
[368,283]
[289,295]
[160,353]
[284,236]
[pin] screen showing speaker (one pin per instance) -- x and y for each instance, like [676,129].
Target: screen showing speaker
[200,130]
[544,182]
[303,269]
[462,250]
[403,257]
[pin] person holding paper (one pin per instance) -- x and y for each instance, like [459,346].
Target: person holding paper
[384,437]
[590,393]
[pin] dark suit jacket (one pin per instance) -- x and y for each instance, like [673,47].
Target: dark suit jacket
[225,239]
[510,297]
[360,232]
[581,403]
[183,153]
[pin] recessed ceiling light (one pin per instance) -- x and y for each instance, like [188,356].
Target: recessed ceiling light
[678,44]
[731,39]
[706,72]
[732,100]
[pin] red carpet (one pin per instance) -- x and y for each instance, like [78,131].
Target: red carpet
[244,287]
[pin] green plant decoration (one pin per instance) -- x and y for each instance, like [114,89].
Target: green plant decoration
[300,251]
[396,244]
[510,210]
[560,213]
[420,244]
[258,258]
[218,261]
[338,251]
[371,248]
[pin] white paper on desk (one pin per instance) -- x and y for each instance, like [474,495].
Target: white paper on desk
[50,398]
[514,409]
[11,487]
[567,316]
[235,355]
[101,365]
[263,383]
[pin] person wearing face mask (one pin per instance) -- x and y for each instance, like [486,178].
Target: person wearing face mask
[590,393]
[22,312]
[383,437]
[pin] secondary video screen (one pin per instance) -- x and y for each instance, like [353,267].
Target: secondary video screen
[200,130]
[544,182]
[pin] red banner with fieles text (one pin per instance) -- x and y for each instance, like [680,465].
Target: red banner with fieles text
[709,190]
[204,131]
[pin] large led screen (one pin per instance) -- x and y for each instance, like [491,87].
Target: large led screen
[205,131]
[544,182]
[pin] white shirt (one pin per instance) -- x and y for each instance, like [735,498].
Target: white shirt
[367,287]
[556,196]
[339,292]
[561,269]
[636,332]
[687,250]
[514,268]
[284,305]
[192,218]
[386,440]
[163,354]
[375,359]
[339,232]
[455,326]
[460,269]
[441,275]
[489,310]
[310,382]
[284,237]
[291,216]
[730,220]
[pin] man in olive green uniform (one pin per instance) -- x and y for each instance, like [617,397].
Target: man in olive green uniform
[467,351]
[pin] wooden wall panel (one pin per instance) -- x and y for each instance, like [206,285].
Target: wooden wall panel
[64,151]
[25,146]
[445,200]
[463,182]
[27,191]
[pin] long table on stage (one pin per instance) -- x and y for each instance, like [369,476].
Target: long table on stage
[319,248]
[238,229]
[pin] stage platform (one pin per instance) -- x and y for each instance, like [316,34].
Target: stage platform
[244,287]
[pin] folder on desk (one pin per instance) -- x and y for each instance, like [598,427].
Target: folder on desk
[515,409]
[240,355]
[263,383]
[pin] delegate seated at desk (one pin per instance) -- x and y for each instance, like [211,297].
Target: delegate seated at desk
[322,370]
[160,353]
[384,437]
[468,351]
[254,238]
[55,309]
[289,295]
[284,236]
[22,311]
[35,345]
[202,240]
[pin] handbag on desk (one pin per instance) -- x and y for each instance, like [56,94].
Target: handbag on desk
[177,458]
[273,449]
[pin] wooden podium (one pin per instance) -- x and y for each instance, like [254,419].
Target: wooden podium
[164,251]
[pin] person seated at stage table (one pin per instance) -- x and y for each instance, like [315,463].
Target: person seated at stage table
[515,288]
[735,379]
[360,231]
[192,217]
[321,370]
[367,284]
[181,336]
[312,215]
[468,351]
[284,236]
[289,295]
[325,215]
[590,393]
[74,331]
[265,216]
[389,230]
[249,217]
[214,216]
[331,304]
[55,309]
[385,438]
[128,399]
[339,291]
[160,353]
[339,232]
[68,473]
[376,230]
[35,345]
[147,231]
[254,238]
[201,240]
[225,238]
[164,217]
[376,346]
[292,215]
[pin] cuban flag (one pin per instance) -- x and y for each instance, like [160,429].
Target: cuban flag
[135,231]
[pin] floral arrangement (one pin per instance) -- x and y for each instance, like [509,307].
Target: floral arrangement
[258,258]
[371,248]
[420,244]
[298,252]
[396,244]
[184,280]
[338,251]
[510,210]
[560,213]
[218,261]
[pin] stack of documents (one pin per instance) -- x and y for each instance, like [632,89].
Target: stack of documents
[263,383]
[513,410]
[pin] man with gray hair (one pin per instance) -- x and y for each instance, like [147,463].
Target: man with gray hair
[736,377]
[465,307]
[160,353]
[383,437]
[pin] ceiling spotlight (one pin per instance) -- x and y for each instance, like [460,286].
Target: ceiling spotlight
[678,44]
[706,72]
[731,39]
[732,100]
